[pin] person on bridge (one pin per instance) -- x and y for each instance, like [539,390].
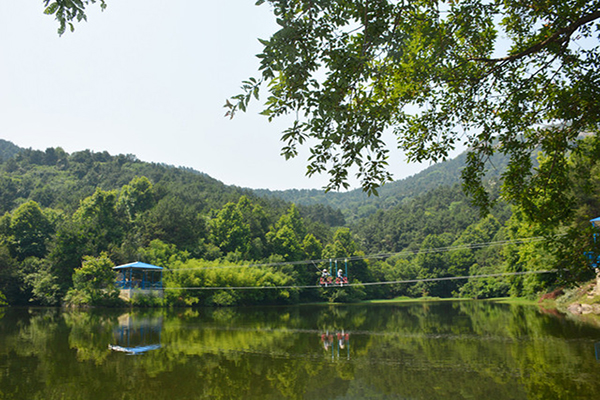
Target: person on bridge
[324,276]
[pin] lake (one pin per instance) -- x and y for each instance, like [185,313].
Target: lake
[441,350]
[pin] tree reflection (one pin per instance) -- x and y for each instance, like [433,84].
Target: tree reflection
[420,351]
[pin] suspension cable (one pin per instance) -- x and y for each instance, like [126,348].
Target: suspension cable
[446,278]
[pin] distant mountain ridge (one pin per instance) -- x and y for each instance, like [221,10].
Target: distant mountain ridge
[356,204]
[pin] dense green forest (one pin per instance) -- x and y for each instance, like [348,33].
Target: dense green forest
[69,218]
[59,207]
[356,204]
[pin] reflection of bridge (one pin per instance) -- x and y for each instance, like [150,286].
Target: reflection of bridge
[338,342]
[137,335]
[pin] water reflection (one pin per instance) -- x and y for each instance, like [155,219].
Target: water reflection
[136,334]
[418,351]
[336,343]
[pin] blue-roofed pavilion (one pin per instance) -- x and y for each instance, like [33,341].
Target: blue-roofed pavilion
[138,276]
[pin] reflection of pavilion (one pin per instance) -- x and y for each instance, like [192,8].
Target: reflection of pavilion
[139,277]
[137,335]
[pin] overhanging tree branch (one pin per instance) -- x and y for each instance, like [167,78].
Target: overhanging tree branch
[559,36]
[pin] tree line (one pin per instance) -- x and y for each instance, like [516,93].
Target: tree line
[67,222]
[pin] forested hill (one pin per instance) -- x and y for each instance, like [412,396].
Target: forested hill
[8,150]
[356,204]
[55,179]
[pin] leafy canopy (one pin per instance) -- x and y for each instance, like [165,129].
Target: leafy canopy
[498,75]
[66,11]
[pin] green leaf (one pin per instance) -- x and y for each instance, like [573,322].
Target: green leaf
[51,9]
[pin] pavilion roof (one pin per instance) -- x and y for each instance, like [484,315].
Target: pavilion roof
[138,265]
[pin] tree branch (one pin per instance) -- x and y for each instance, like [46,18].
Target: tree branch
[555,37]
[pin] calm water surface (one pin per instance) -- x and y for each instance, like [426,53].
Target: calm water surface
[465,350]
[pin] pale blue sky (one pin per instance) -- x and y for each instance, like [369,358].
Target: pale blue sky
[149,78]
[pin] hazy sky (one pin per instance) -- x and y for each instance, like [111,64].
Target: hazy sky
[149,78]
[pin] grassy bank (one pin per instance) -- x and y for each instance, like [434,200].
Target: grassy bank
[404,299]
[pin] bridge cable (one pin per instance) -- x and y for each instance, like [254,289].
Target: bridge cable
[446,278]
